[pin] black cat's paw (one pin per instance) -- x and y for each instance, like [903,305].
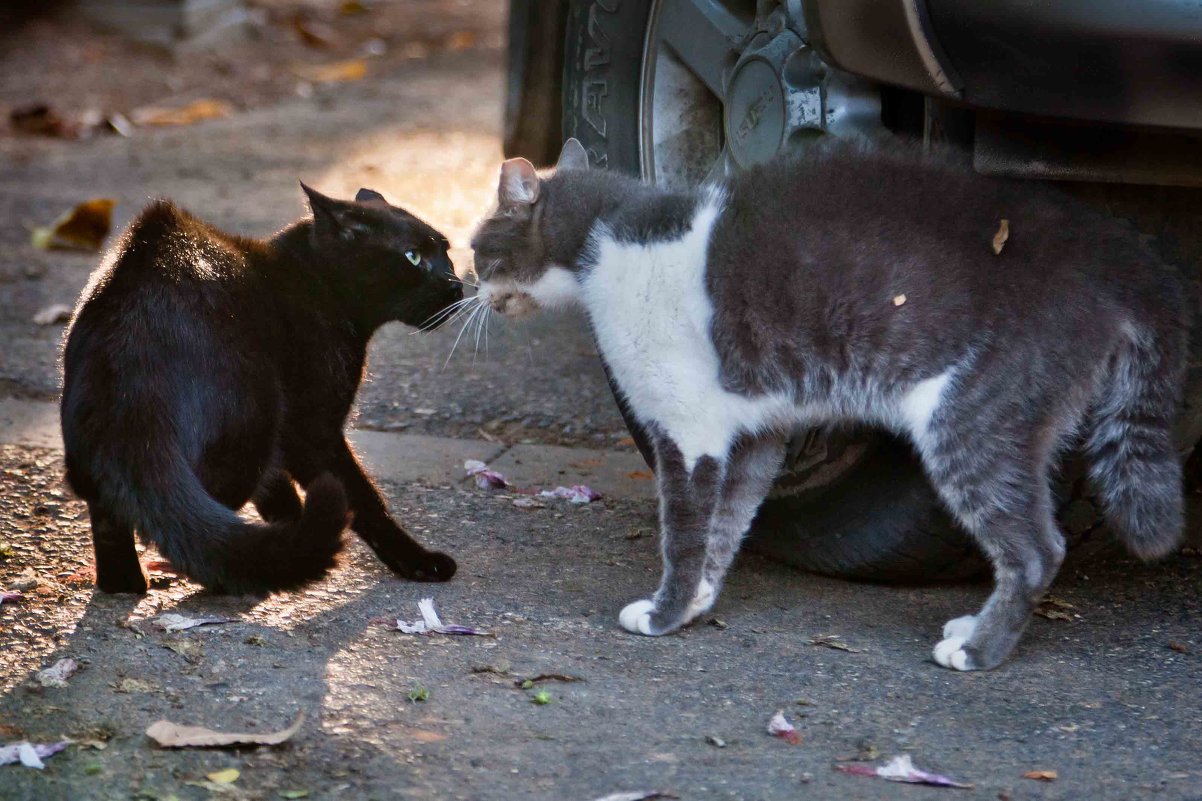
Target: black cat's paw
[430,566]
[123,584]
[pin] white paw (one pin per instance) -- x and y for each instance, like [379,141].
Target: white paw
[636,617]
[960,627]
[950,653]
[702,601]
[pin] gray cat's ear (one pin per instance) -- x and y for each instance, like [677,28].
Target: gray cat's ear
[573,156]
[332,217]
[519,183]
[369,194]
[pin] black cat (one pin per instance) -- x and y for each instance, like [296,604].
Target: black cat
[204,370]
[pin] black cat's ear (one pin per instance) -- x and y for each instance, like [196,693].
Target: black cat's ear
[332,217]
[369,194]
[573,156]
[519,183]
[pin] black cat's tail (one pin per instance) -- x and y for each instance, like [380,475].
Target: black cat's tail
[213,545]
[1134,465]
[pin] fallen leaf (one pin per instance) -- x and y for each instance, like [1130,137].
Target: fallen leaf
[1041,775]
[173,735]
[641,475]
[314,33]
[189,649]
[899,300]
[461,40]
[638,795]
[30,754]
[227,776]
[716,742]
[1054,608]
[354,69]
[999,239]
[82,228]
[526,684]
[832,641]
[901,769]
[1179,647]
[432,624]
[57,674]
[485,478]
[577,493]
[779,726]
[174,622]
[293,794]
[196,111]
[132,685]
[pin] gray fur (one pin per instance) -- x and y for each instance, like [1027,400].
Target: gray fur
[1076,330]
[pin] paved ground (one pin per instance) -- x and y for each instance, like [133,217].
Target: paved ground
[1110,698]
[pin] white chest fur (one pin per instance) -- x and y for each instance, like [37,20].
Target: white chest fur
[651,314]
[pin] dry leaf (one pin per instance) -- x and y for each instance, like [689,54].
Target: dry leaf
[461,40]
[82,228]
[1179,647]
[173,622]
[190,650]
[227,776]
[899,300]
[999,239]
[195,111]
[832,641]
[314,33]
[57,674]
[354,69]
[131,685]
[53,315]
[641,475]
[779,726]
[1041,775]
[172,735]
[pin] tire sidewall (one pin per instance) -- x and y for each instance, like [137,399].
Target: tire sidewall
[602,76]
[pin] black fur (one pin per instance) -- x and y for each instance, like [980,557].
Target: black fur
[203,370]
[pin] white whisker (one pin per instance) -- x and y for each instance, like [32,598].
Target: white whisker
[456,343]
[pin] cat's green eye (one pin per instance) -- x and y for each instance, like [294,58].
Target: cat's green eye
[414,257]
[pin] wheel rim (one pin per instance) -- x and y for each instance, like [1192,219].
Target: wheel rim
[727,84]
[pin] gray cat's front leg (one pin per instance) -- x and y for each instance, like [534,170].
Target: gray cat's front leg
[753,465]
[687,500]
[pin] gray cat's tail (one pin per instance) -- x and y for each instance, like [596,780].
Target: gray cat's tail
[1134,465]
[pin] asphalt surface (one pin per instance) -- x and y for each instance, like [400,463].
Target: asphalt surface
[1107,692]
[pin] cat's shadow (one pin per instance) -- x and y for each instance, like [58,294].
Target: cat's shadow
[248,675]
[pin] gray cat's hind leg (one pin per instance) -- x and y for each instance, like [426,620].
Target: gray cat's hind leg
[1001,495]
[751,468]
[687,501]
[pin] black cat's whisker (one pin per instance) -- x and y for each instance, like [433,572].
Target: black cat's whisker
[461,330]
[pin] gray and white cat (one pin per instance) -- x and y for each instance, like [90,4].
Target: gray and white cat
[862,287]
